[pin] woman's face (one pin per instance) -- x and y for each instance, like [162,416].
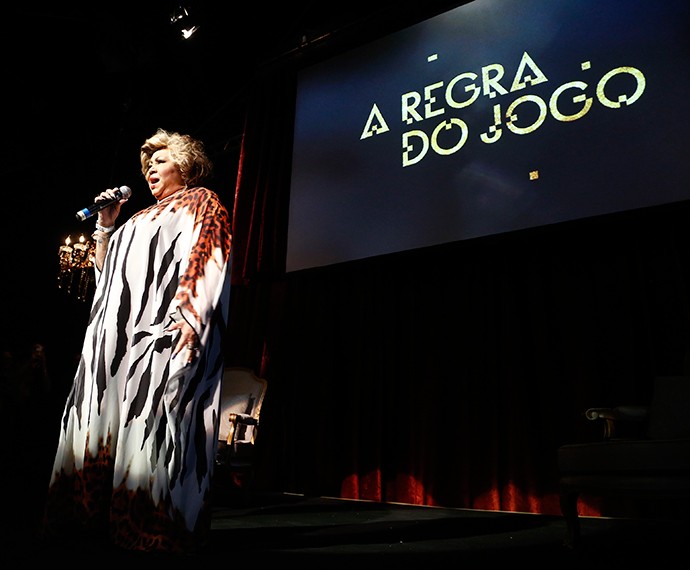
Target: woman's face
[163,176]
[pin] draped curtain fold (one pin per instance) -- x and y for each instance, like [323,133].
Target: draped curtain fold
[260,216]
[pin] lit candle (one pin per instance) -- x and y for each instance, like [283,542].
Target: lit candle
[66,249]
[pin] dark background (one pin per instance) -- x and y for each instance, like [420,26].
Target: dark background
[84,85]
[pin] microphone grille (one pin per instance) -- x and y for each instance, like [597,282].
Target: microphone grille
[126,191]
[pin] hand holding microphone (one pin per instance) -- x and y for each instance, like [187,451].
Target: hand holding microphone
[119,194]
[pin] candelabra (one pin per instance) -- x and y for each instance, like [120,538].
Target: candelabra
[76,274]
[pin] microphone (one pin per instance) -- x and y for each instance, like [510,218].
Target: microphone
[122,193]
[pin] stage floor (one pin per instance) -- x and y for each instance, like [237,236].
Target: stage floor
[328,533]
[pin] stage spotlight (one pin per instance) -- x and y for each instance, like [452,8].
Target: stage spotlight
[183,22]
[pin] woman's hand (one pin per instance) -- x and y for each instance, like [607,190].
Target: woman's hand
[188,343]
[107,216]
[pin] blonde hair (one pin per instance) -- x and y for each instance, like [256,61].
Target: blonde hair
[187,153]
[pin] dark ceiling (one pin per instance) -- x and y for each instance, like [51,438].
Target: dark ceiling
[90,81]
[86,83]
[103,75]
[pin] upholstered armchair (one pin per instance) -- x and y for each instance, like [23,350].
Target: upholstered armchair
[242,395]
[644,452]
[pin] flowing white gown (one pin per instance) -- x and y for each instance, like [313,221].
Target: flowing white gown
[138,434]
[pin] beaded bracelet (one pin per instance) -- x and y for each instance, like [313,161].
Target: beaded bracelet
[104,229]
[100,237]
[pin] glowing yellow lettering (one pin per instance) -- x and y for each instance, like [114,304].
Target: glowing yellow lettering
[451,135]
[447,125]
[408,147]
[495,131]
[376,124]
[471,88]
[490,82]
[410,102]
[430,99]
[641,84]
[553,102]
[521,80]
[512,117]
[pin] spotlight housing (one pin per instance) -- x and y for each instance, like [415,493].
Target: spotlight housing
[183,21]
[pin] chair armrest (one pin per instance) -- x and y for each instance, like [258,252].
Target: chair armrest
[236,420]
[619,414]
[246,419]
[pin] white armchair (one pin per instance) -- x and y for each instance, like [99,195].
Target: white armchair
[242,395]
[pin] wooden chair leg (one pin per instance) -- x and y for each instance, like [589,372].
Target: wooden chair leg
[568,499]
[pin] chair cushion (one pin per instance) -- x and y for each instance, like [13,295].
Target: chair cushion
[615,456]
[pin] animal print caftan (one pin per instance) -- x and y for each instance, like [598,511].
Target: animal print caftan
[138,433]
